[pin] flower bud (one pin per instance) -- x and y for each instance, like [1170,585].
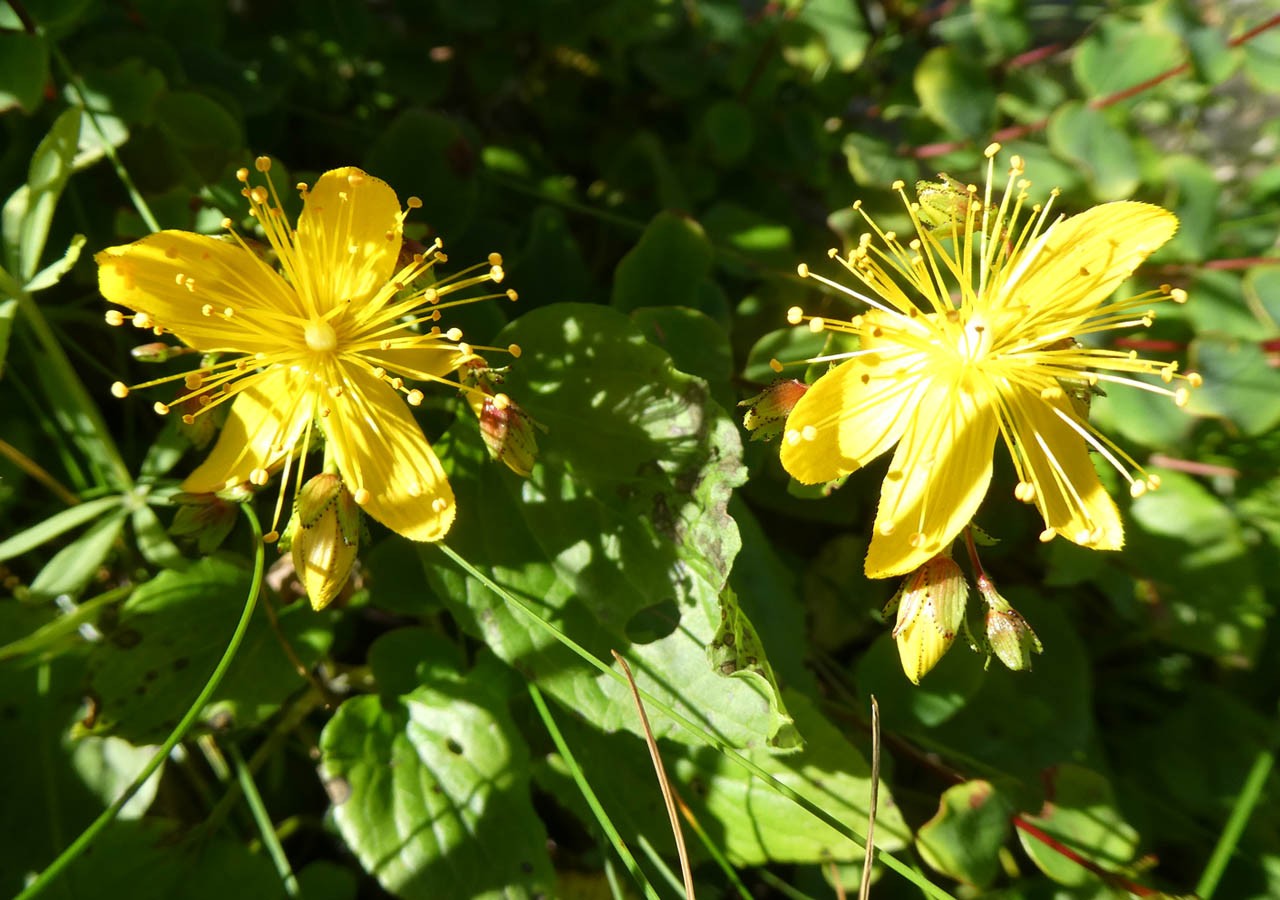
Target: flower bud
[767,411]
[324,537]
[1009,638]
[508,432]
[206,519]
[158,352]
[930,606]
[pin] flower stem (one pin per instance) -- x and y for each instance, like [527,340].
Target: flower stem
[90,834]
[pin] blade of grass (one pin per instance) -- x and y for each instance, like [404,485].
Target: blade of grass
[927,887]
[864,889]
[589,795]
[709,845]
[1248,799]
[263,820]
[663,782]
[90,834]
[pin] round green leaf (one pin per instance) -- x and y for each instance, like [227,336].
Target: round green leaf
[1119,54]
[955,92]
[665,267]
[428,786]
[1079,812]
[964,837]
[624,518]
[1239,383]
[1083,135]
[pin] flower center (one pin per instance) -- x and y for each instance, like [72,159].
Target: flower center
[974,340]
[320,336]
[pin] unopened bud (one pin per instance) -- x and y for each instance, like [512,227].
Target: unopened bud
[509,433]
[158,352]
[1008,637]
[205,519]
[930,606]
[767,411]
[324,537]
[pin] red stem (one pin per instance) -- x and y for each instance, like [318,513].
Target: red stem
[1057,846]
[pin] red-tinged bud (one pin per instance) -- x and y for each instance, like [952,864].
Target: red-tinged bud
[930,605]
[158,352]
[509,432]
[1008,636]
[324,537]
[767,411]
[205,519]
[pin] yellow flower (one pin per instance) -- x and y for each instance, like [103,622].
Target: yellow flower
[971,338]
[326,341]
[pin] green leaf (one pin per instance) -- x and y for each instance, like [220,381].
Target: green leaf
[1262,61]
[57,524]
[430,791]
[729,131]
[1193,196]
[550,268]
[750,822]
[153,540]
[28,213]
[841,29]
[1079,812]
[1261,288]
[665,267]
[201,131]
[787,345]
[736,651]
[73,567]
[168,638]
[1083,135]
[428,155]
[150,859]
[1239,383]
[1201,587]
[52,273]
[1119,54]
[1021,722]
[24,71]
[955,92]
[52,786]
[696,344]
[620,538]
[965,835]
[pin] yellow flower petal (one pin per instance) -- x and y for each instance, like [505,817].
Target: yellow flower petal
[268,417]
[849,416]
[175,277]
[936,481]
[1082,261]
[348,238]
[1068,492]
[379,448]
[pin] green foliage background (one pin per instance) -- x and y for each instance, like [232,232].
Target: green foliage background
[652,173]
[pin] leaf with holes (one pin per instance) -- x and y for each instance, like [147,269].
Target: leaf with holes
[430,789]
[621,538]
